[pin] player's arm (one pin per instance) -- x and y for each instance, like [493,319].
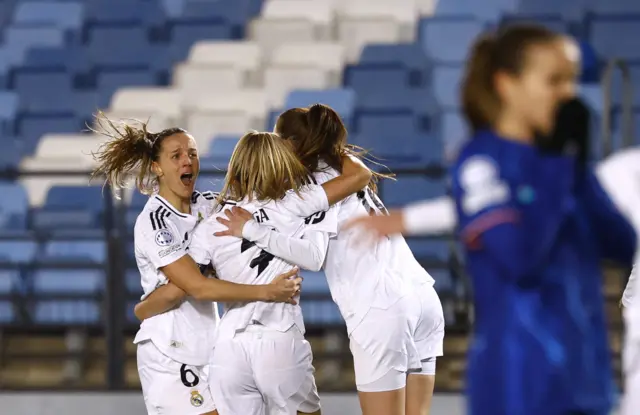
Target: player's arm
[184,272]
[161,300]
[315,198]
[616,236]
[428,217]
[494,223]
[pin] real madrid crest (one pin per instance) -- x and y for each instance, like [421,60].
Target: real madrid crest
[196,399]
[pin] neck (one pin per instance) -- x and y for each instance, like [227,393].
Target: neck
[180,204]
[514,129]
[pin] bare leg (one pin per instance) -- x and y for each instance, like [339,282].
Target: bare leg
[382,403]
[419,394]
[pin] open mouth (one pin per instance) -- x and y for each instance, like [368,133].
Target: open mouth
[186,179]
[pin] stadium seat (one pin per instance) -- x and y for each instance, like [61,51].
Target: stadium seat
[10,282]
[18,252]
[412,151]
[13,206]
[320,313]
[39,91]
[328,56]
[133,47]
[386,125]
[416,100]
[411,189]
[109,81]
[140,13]
[341,100]
[570,9]
[552,22]
[7,312]
[89,251]
[71,207]
[72,59]
[184,35]
[132,281]
[446,86]
[76,312]
[194,79]
[278,81]
[222,147]
[458,32]
[75,282]
[32,127]
[65,15]
[409,55]
[361,77]
[315,282]
[612,37]
[620,7]
[8,111]
[429,250]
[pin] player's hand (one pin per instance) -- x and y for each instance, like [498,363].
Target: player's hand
[236,218]
[285,287]
[378,226]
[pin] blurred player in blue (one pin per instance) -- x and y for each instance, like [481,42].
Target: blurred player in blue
[535,224]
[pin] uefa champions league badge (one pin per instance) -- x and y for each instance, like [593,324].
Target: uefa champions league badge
[164,237]
[196,399]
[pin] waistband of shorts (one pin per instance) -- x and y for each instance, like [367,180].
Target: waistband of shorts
[257,328]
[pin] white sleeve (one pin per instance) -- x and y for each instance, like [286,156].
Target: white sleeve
[308,201]
[161,246]
[200,247]
[430,217]
[630,289]
[307,253]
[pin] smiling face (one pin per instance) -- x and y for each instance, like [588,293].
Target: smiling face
[177,165]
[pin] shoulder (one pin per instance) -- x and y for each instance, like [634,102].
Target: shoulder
[157,215]
[198,196]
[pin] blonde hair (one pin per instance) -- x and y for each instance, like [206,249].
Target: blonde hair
[129,149]
[262,167]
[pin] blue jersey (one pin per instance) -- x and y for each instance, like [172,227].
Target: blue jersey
[535,228]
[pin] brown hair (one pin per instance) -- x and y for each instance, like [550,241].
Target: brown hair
[503,51]
[320,135]
[262,166]
[129,149]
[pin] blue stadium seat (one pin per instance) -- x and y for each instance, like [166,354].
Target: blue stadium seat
[410,55]
[120,47]
[7,313]
[212,183]
[173,8]
[86,251]
[12,151]
[71,207]
[314,283]
[613,37]
[341,100]
[551,21]
[405,151]
[447,40]
[387,125]
[71,59]
[21,38]
[74,312]
[124,12]
[453,131]
[31,127]
[40,91]
[130,315]
[488,10]
[410,189]
[429,249]
[219,152]
[570,9]
[10,282]
[320,312]
[618,88]
[18,252]
[8,110]
[184,35]
[55,281]
[138,200]
[364,77]
[444,281]
[14,206]
[110,81]
[621,7]
[446,86]
[132,281]
[65,15]
[416,100]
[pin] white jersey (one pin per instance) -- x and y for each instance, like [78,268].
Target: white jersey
[619,175]
[162,235]
[240,261]
[360,277]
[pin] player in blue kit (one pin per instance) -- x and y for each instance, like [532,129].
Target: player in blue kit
[535,224]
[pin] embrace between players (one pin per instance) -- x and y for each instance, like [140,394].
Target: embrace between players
[285,198]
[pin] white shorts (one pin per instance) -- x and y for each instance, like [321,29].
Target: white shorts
[170,387]
[263,371]
[403,339]
[630,404]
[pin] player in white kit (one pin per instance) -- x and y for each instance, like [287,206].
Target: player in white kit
[393,314]
[261,361]
[174,347]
